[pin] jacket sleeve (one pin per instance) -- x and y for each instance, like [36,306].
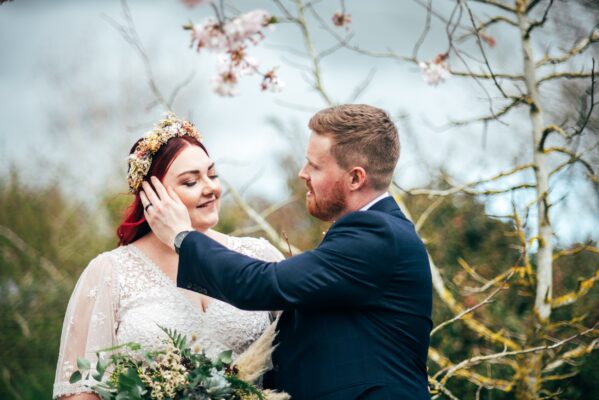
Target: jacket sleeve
[347,269]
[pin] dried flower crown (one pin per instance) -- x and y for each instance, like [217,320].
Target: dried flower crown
[140,160]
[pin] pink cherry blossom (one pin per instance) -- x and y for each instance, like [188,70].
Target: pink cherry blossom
[225,83]
[209,35]
[193,3]
[435,72]
[341,19]
[231,38]
[271,81]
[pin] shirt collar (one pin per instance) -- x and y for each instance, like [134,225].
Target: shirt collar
[381,197]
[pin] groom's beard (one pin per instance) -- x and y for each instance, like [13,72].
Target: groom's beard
[326,209]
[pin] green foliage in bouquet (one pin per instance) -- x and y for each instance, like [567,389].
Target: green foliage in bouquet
[175,372]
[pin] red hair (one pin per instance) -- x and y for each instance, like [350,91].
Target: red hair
[134,224]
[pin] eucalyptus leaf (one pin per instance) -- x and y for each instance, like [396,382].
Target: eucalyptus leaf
[75,377]
[82,363]
[226,357]
[101,366]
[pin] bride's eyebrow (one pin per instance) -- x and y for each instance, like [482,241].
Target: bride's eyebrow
[195,171]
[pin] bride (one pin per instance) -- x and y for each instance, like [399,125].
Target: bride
[124,295]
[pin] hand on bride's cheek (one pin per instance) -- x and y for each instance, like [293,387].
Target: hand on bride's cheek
[193,177]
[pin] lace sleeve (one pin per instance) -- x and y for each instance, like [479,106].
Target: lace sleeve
[89,324]
[270,252]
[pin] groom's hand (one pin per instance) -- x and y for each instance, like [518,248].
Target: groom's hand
[165,212]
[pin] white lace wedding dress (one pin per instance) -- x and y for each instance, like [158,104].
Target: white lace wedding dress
[122,296]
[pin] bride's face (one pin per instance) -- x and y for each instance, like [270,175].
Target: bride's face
[193,177]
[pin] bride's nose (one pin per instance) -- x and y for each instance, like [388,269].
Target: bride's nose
[210,187]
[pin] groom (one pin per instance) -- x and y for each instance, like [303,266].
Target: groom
[357,309]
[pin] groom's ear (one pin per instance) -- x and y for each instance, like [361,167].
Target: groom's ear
[357,178]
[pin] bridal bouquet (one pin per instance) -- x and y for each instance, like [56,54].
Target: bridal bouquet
[177,372]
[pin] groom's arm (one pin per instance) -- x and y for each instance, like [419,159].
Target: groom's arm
[346,270]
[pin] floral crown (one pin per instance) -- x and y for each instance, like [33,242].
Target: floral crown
[140,159]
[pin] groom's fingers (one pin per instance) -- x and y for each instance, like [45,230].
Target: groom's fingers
[151,195]
[159,187]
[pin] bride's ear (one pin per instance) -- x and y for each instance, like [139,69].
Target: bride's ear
[357,178]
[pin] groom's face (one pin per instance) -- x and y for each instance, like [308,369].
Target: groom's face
[326,196]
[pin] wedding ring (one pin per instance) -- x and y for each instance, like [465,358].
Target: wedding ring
[148,206]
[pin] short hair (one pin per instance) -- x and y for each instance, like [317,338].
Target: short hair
[362,136]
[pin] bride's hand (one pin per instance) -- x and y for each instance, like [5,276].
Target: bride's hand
[165,212]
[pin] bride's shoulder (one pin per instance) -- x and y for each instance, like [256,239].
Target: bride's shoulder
[105,261]
[255,247]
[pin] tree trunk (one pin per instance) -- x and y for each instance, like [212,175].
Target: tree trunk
[529,382]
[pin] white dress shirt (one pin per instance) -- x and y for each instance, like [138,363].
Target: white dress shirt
[381,197]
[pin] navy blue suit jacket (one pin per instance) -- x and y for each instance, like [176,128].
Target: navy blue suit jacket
[356,310]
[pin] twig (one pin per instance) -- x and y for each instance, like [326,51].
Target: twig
[427,27]
[577,49]
[479,359]
[258,219]
[487,300]
[25,248]
[497,4]
[540,23]
[484,54]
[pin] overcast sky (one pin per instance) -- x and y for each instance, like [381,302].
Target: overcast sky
[74,94]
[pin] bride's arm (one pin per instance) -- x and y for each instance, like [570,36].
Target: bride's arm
[89,326]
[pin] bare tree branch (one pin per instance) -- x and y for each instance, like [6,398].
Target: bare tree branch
[25,248]
[583,288]
[272,234]
[541,22]
[479,359]
[461,315]
[493,117]
[484,54]
[564,75]
[359,89]
[577,49]
[497,4]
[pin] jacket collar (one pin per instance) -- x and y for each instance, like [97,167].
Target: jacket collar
[387,205]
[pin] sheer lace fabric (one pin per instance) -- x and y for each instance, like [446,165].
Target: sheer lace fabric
[122,296]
